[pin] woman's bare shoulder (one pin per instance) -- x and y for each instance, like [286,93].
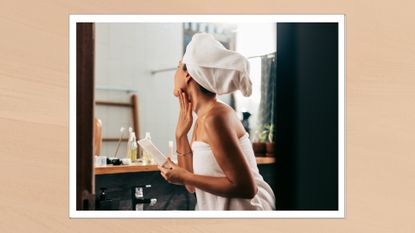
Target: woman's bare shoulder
[219,112]
[223,117]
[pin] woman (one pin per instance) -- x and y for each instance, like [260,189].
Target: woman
[219,164]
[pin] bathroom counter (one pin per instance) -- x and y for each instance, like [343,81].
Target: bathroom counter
[111,169]
[265,160]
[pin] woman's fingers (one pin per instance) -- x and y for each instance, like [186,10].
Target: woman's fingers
[180,99]
[163,172]
[184,101]
[171,163]
[189,109]
[187,104]
[162,169]
[163,176]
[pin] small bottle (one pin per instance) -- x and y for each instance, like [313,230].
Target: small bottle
[146,156]
[170,153]
[132,147]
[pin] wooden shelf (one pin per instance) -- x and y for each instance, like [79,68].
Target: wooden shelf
[265,160]
[111,169]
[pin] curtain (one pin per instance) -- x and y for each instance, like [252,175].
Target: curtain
[267,104]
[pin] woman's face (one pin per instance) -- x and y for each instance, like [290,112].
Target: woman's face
[179,79]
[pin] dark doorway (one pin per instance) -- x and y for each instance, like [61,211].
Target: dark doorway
[307,116]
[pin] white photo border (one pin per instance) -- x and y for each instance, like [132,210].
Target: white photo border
[124,18]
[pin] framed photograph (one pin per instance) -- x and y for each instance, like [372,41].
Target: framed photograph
[207,116]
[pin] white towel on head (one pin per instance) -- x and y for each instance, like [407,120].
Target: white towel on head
[216,68]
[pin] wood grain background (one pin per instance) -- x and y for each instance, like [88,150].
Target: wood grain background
[380,69]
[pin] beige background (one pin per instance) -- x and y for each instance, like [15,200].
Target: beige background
[380,69]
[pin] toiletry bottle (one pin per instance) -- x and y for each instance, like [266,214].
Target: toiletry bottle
[170,153]
[146,156]
[103,202]
[132,147]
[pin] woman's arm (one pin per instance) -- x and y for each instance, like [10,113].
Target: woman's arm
[220,186]
[185,161]
[182,142]
[238,180]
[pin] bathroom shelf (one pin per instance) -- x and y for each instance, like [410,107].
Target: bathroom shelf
[265,160]
[111,169]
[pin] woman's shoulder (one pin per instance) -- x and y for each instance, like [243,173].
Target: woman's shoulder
[220,111]
[221,117]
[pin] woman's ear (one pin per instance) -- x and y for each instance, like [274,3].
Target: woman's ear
[187,78]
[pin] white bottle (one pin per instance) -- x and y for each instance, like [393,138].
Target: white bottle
[132,147]
[147,158]
[170,152]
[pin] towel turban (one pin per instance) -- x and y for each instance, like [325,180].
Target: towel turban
[216,68]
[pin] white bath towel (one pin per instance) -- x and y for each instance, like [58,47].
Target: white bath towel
[216,68]
[204,163]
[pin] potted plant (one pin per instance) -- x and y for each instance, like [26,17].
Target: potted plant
[259,142]
[270,151]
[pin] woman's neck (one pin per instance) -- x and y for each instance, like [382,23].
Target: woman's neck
[201,103]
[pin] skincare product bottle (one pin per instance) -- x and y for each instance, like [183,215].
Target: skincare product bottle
[170,153]
[146,156]
[132,147]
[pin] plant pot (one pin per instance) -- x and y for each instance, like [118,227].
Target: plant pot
[270,151]
[259,149]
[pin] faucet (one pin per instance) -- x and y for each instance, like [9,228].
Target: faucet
[102,202]
[137,197]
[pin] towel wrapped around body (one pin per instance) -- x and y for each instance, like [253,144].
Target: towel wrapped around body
[204,163]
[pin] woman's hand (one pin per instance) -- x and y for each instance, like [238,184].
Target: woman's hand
[185,117]
[173,173]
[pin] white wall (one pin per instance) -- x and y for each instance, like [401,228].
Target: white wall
[264,35]
[125,55]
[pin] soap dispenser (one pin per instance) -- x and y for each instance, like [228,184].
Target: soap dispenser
[103,202]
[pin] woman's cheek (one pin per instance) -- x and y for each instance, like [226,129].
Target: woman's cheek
[176,87]
[179,84]
[176,91]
